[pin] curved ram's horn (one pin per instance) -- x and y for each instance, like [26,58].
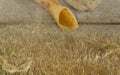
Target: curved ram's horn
[63,16]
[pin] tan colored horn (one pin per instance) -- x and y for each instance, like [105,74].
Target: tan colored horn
[62,15]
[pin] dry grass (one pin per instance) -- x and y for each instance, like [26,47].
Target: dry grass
[48,50]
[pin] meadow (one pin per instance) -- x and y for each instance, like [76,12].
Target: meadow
[45,49]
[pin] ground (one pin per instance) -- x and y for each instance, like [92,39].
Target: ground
[49,50]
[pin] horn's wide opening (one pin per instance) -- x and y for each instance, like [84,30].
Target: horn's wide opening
[67,20]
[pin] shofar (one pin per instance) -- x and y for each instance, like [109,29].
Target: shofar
[63,16]
[84,4]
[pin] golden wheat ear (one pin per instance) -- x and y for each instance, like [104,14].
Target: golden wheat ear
[62,15]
